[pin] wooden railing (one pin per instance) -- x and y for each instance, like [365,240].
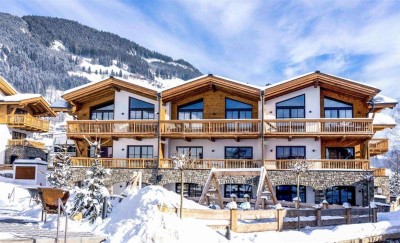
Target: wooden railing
[378,146]
[380,172]
[355,126]
[24,142]
[6,167]
[321,164]
[113,127]
[211,127]
[215,163]
[25,122]
[115,162]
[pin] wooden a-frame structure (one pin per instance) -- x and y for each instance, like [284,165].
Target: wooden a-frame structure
[217,173]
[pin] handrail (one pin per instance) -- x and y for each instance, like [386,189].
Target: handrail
[25,142]
[215,163]
[116,162]
[61,207]
[26,122]
[316,164]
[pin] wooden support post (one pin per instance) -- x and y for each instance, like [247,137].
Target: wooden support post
[318,217]
[279,219]
[348,215]
[233,219]
[325,205]
[216,185]
[374,215]
[207,199]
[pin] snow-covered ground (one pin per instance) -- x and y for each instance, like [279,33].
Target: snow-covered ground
[138,219]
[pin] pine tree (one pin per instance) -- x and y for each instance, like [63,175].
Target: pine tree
[395,184]
[90,199]
[61,175]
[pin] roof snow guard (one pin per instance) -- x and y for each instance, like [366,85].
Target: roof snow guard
[209,82]
[327,81]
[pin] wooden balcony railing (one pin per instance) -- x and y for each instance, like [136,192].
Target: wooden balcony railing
[25,122]
[380,172]
[24,142]
[146,128]
[378,146]
[352,126]
[321,164]
[216,163]
[210,128]
[116,162]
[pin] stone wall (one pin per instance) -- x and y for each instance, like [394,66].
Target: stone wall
[24,152]
[383,182]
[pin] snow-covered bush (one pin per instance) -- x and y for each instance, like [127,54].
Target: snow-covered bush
[89,200]
[61,174]
[395,184]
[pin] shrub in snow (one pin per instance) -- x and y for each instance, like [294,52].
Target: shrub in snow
[61,174]
[395,184]
[89,200]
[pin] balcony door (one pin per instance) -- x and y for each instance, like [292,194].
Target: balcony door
[337,109]
[193,152]
[238,110]
[291,109]
[238,152]
[102,112]
[340,153]
[106,152]
[140,110]
[191,111]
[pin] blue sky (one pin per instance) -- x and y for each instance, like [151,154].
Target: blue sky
[253,41]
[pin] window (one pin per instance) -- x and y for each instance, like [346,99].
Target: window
[140,110]
[288,192]
[140,151]
[291,108]
[290,152]
[194,152]
[189,189]
[102,112]
[238,189]
[340,153]
[191,111]
[18,135]
[337,109]
[237,110]
[106,152]
[238,153]
[340,195]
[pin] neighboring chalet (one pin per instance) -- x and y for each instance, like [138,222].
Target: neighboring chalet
[326,120]
[20,118]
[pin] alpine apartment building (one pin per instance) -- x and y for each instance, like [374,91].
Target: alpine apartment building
[325,120]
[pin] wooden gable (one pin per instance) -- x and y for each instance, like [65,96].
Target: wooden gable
[6,88]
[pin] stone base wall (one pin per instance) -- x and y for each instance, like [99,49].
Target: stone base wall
[383,183]
[24,152]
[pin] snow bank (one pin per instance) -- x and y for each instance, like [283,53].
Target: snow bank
[138,219]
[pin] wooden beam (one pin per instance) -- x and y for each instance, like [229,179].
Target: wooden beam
[137,138]
[187,139]
[216,185]
[212,139]
[237,139]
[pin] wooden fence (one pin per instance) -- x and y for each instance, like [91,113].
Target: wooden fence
[249,221]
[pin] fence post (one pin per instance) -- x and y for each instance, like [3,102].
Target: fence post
[374,215]
[279,219]
[233,219]
[348,215]
[318,217]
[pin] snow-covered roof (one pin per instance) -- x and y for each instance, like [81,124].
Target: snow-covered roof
[30,161]
[139,82]
[217,76]
[61,103]
[19,97]
[8,84]
[382,119]
[306,74]
[382,99]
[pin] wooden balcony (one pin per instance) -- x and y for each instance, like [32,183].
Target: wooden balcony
[378,146]
[212,128]
[112,128]
[207,164]
[25,122]
[24,142]
[321,164]
[380,172]
[116,163]
[349,127]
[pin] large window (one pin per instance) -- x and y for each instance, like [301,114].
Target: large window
[237,110]
[289,192]
[140,110]
[194,152]
[140,152]
[191,111]
[291,108]
[340,153]
[238,189]
[238,153]
[337,109]
[106,152]
[189,189]
[290,152]
[102,112]
[341,194]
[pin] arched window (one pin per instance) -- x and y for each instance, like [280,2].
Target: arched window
[291,108]
[102,112]
[191,111]
[337,109]
[140,110]
[237,110]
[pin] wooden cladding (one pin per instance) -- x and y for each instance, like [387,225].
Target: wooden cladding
[25,172]
[380,172]
[225,128]
[25,122]
[207,164]
[24,142]
[378,146]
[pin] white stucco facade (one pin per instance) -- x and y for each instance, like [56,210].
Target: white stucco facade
[313,148]
[121,108]
[120,146]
